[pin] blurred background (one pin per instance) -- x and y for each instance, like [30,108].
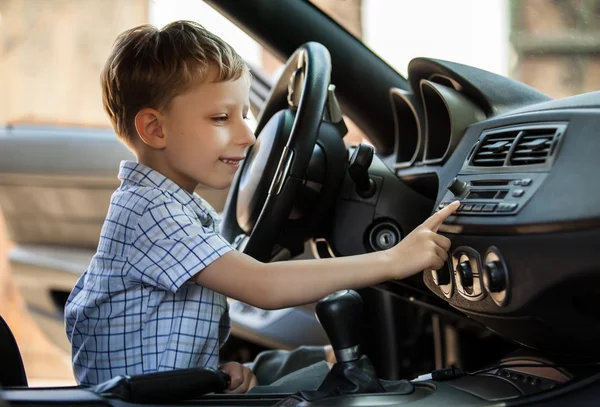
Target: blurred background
[52,51]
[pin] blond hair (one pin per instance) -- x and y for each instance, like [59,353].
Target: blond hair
[148,67]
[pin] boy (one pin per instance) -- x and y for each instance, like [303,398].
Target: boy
[154,295]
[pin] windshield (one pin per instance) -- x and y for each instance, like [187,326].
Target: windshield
[551,45]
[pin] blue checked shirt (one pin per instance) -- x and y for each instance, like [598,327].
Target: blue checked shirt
[135,310]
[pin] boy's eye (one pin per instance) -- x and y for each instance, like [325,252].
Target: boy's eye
[219,119]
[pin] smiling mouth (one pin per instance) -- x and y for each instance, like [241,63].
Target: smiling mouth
[234,161]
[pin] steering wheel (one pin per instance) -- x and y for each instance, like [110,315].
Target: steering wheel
[264,189]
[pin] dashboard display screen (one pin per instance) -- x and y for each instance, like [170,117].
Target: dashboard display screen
[482,194]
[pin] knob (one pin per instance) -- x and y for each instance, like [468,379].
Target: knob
[340,315]
[359,170]
[442,276]
[457,186]
[465,274]
[494,276]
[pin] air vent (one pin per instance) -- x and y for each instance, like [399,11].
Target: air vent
[518,146]
[494,148]
[533,147]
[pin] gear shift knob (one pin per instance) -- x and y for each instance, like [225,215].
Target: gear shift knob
[340,315]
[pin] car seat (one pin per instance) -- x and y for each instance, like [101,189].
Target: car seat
[12,370]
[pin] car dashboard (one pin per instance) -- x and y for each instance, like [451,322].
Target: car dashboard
[524,168]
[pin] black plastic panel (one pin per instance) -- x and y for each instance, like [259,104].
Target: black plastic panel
[408,125]
[492,93]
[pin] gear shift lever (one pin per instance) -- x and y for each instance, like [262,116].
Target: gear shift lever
[339,315]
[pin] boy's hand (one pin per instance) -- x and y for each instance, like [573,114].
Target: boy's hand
[330,358]
[423,248]
[242,378]
[329,354]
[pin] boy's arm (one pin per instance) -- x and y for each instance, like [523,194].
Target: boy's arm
[292,283]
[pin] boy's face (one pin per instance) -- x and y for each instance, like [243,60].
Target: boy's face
[207,134]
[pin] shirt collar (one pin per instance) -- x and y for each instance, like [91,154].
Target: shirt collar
[145,176]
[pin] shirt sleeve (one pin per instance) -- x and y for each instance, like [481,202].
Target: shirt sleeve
[170,246]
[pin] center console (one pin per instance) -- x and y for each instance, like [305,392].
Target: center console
[501,174]
[523,259]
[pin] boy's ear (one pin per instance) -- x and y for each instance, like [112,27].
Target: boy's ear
[148,124]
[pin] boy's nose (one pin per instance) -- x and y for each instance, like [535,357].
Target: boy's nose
[247,137]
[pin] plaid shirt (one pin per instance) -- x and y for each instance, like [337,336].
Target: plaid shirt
[135,310]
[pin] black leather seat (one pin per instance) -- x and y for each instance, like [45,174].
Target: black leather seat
[12,370]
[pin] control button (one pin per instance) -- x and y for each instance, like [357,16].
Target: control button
[507,207]
[517,182]
[526,182]
[518,193]
[489,208]
[460,208]
[494,277]
[467,207]
[457,186]
[478,207]
[465,274]
[442,205]
[441,276]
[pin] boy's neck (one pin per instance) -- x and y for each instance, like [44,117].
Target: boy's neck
[160,165]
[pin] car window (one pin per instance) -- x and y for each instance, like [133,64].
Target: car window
[550,45]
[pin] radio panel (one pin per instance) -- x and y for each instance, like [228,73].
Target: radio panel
[505,168]
[492,194]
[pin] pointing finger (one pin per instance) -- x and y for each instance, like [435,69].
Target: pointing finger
[435,220]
